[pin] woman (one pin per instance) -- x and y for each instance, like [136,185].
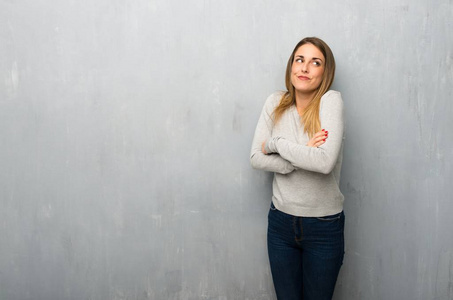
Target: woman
[299,137]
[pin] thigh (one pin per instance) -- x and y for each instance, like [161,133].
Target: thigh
[285,256]
[323,255]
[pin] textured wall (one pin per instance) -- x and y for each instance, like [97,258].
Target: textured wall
[125,129]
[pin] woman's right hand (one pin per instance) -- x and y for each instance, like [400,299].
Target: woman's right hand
[318,139]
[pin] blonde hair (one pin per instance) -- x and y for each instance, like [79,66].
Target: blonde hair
[310,116]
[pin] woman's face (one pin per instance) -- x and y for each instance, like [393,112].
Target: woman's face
[307,69]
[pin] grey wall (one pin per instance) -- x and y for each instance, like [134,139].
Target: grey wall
[125,129]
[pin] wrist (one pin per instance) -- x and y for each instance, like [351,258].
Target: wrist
[271,145]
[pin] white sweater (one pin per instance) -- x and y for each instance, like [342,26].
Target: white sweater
[306,179]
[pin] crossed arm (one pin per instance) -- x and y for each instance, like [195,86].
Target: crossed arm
[265,161]
[283,156]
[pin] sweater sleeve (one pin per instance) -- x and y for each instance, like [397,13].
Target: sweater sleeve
[323,158]
[259,160]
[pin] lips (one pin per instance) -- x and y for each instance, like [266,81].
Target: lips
[303,77]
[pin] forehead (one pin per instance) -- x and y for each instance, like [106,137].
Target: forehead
[309,51]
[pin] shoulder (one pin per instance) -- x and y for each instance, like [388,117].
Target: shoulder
[332,95]
[274,98]
[331,101]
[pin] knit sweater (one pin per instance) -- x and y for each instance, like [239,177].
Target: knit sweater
[306,179]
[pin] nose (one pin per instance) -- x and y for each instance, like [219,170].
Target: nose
[304,67]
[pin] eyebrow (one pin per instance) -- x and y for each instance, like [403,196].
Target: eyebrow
[312,58]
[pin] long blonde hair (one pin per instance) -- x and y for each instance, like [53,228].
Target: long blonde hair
[310,116]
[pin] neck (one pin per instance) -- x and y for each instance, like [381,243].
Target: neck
[303,99]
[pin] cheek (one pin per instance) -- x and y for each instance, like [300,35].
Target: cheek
[321,72]
[319,78]
[293,81]
[320,75]
[293,77]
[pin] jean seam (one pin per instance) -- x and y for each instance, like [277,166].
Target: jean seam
[329,219]
[296,238]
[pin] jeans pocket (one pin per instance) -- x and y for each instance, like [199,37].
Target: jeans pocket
[330,218]
[272,206]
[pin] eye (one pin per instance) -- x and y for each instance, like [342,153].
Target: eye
[316,63]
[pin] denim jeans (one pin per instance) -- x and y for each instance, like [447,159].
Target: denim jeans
[305,254]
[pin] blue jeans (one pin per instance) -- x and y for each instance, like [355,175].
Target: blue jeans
[305,254]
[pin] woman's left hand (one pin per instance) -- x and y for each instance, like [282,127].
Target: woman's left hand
[318,139]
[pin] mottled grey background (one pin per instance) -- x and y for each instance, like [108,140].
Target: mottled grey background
[125,129]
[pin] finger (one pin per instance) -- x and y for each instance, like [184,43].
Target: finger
[319,143]
[322,133]
[321,138]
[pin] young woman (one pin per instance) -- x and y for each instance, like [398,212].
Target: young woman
[299,137]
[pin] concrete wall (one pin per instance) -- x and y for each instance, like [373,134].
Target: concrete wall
[125,129]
